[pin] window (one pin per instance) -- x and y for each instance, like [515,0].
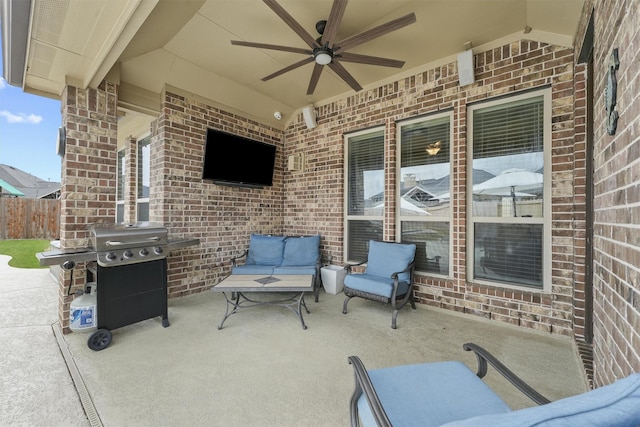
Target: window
[364,191]
[143,179]
[120,189]
[509,191]
[141,170]
[424,190]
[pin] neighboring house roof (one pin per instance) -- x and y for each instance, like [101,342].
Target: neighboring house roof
[29,185]
[13,191]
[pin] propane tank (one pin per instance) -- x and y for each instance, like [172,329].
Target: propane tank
[83,313]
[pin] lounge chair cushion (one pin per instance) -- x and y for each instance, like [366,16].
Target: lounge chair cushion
[377,285]
[387,258]
[265,250]
[301,251]
[616,404]
[430,394]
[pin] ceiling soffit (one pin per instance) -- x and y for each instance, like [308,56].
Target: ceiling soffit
[186,44]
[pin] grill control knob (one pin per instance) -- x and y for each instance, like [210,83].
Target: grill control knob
[111,256]
[158,250]
[128,254]
[144,252]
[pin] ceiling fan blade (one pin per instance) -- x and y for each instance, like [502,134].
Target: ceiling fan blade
[272,47]
[292,23]
[371,60]
[378,31]
[315,76]
[289,68]
[344,75]
[335,18]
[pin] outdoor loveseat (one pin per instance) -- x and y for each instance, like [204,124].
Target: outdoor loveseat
[450,394]
[281,255]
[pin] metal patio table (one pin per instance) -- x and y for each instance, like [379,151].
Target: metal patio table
[240,285]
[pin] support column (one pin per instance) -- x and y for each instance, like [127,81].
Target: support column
[89,165]
[130,180]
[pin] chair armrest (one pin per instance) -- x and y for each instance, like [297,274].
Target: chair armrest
[242,255]
[483,356]
[409,268]
[364,385]
[348,267]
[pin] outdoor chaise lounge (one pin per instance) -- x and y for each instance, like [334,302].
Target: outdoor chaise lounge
[388,277]
[450,394]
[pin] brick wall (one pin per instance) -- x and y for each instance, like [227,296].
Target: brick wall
[318,190]
[88,174]
[221,217]
[130,190]
[616,192]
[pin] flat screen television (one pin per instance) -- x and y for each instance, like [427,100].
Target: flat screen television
[234,160]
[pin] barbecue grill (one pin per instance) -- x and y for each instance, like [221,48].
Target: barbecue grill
[131,274]
[129,244]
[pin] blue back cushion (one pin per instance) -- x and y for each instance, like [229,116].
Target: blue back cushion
[616,404]
[301,251]
[265,250]
[388,258]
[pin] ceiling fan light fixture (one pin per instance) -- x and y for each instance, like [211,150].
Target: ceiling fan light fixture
[322,56]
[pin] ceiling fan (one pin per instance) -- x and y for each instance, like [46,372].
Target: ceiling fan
[325,50]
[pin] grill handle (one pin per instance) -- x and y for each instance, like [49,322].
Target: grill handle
[139,242]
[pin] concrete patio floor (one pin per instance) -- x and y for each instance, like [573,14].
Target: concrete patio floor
[261,369]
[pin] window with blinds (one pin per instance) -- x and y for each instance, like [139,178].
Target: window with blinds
[507,189]
[424,190]
[143,178]
[365,191]
[120,188]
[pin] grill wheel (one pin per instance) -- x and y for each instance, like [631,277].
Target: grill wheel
[100,339]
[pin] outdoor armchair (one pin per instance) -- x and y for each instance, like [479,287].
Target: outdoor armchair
[450,394]
[388,277]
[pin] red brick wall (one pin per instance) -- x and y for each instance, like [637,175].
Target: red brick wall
[88,174]
[519,66]
[130,190]
[616,263]
[221,217]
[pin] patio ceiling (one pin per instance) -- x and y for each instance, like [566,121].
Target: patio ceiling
[147,44]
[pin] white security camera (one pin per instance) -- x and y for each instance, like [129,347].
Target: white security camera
[277,115]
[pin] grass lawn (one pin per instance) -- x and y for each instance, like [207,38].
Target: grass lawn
[23,252]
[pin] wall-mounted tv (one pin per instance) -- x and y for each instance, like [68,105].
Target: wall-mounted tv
[234,160]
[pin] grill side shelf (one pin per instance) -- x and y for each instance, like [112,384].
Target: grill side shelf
[57,257]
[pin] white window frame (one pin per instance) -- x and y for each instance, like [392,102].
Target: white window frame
[139,162]
[120,180]
[347,216]
[545,220]
[426,218]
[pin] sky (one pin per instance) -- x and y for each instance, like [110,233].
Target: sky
[28,131]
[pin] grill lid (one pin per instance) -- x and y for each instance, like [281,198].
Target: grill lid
[130,243]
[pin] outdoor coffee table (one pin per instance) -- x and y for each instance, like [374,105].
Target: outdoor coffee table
[239,285]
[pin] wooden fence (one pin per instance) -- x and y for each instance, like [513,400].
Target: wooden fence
[22,218]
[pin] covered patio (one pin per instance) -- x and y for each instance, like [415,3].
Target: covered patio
[141,83]
[262,369]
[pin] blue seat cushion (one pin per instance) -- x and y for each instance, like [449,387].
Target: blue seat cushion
[387,258]
[252,269]
[376,285]
[301,251]
[309,269]
[265,250]
[616,404]
[430,394]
